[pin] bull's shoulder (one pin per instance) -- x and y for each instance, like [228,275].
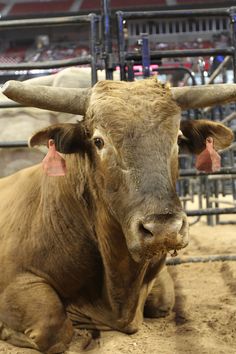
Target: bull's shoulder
[15,182]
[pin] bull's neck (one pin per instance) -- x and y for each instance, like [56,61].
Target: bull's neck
[68,199]
[123,277]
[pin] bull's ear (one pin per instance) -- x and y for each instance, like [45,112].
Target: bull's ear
[69,138]
[195,133]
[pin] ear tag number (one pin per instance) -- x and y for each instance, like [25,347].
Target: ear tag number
[53,163]
[208,160]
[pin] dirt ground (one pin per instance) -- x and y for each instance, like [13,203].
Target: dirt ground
[204,316]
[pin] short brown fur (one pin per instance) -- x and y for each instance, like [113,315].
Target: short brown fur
[89,248]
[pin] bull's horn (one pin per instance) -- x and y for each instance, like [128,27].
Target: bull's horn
[58,99]
[204,96]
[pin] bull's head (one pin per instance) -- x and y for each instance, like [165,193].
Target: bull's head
[131,133]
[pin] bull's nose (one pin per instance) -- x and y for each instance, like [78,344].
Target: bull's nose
[155,224]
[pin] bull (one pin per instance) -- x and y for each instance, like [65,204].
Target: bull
[89,248]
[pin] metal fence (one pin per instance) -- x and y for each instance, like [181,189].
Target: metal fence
[209,186]
[93,21]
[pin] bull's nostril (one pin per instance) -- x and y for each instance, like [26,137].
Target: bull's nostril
[145,230]
[183,227]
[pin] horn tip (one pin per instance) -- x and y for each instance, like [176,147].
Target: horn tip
[29,142]
[8,85]
[5,86]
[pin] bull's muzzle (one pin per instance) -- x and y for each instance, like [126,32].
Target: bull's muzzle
[157,233]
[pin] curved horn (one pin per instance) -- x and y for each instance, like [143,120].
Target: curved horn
[204,96]
[67,100]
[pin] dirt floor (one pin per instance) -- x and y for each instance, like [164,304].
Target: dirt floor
[204,317]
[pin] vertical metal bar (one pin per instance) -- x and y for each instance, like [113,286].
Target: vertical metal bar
[130,28]
[200,192]
[210,220]
[121,44]
[154,29]
[93,42]
[216,193]
[232,13]
[201,69]
[231,155]
[107,39]
[145,55]
[130,71]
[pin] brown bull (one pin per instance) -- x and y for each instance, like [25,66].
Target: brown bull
[89,248]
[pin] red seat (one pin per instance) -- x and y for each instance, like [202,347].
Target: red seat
[41,7]
[89,5]
[192,2]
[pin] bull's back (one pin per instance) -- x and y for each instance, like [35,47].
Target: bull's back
[17,192]
[19,195]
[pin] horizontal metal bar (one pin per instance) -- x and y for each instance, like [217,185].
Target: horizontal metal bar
[47,64]
[229,118]
[201,259]
[221,177]
[173,68]
[213,211]
[14,144]
[219,69]
[185,198]
[10,104]
[228,222]
[194,173]
[174,13]
[222,201]
[50,21]
[180,53]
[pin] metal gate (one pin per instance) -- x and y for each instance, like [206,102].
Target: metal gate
[209,186]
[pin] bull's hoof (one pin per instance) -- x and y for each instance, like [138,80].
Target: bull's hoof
[153,312]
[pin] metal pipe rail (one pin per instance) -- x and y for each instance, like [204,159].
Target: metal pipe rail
[200,259]
[209,211]
[180,68]
[217,200]
[107,39]
[14,144]
[164,69]
[92,19]
[124,55]
[140,15]
[219,69]
[48,64]
[194,173]
[10,104]
[180,53]
[229,118]
[50,21]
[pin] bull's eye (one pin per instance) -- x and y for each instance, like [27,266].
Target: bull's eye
[99,143]
[179,140]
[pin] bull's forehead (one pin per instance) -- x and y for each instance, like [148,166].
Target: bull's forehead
[117,104]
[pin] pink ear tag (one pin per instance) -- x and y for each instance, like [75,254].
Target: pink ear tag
[208,160]
[53,163]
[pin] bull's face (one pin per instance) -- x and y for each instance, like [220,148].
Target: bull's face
[130,134]
[135,138]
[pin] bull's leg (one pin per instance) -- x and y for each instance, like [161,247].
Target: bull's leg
[160,301]
[16,338]
[33,316]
